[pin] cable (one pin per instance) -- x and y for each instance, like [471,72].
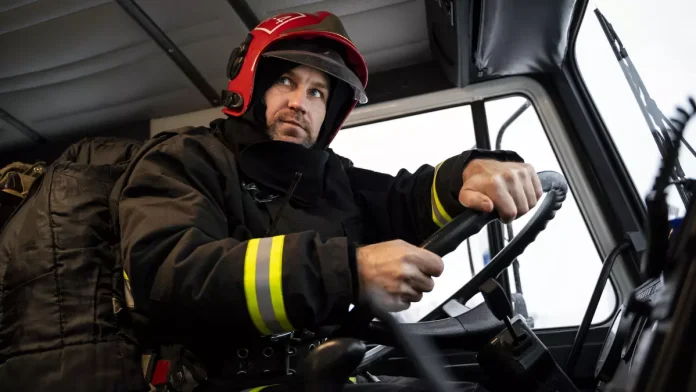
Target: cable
[680,124]
[671,158]
[679,127]
[580,337]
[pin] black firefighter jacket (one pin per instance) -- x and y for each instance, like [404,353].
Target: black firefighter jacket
[216,254]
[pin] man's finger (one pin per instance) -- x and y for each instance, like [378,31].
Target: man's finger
[538,189]
[421,282]
[393,303]
[505,204]
[475,200]
[530,192]
[515,187]
[396,305]
[427,262]
[408,294]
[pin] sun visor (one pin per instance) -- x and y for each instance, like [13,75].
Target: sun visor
[522,36]
[474,40]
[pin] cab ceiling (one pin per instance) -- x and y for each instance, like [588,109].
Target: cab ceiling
[73,67]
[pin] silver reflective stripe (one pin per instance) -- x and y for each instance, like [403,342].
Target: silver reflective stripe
[263,286]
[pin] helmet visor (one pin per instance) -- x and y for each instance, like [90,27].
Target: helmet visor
[326,61]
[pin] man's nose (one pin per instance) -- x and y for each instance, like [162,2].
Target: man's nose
[298,100]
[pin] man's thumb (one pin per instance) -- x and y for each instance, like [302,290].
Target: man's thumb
[475,200]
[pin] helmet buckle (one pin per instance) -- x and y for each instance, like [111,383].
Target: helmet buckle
[232,100]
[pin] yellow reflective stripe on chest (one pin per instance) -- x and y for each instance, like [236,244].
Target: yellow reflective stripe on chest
[440,216]
[263,285]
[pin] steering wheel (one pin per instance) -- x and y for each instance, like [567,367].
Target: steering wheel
[360,320]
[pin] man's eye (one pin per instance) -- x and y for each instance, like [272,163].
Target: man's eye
[284,80]
[317,93]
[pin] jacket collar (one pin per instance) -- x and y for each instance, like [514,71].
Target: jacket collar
[274,164]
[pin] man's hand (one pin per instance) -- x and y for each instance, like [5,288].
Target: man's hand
[402,270]
[511,188]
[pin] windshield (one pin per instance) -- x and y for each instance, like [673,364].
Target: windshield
[637,94]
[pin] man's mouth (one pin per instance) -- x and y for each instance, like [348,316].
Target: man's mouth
[295,123]
[296,131]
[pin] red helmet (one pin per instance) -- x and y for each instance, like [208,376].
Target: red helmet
[289,37]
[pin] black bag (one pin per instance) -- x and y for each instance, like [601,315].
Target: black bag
[62,321]
[67,321]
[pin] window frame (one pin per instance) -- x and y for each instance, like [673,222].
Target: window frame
[556,132]
[609,172]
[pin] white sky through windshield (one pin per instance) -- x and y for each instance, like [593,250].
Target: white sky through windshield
[659,38]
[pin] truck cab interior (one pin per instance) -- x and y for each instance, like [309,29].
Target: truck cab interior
[133,68]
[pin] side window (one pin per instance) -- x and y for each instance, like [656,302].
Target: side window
[557,273]
[408,143]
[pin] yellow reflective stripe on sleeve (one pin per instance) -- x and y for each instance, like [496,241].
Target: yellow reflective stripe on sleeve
[440,216]
[250,286]
[263,285]
[354,380]
[275,276]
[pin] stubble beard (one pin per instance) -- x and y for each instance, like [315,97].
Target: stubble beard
[305,138]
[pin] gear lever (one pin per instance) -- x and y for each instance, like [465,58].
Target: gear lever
[328,367]
[516,359]
[499,305]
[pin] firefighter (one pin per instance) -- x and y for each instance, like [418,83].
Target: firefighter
[242,238]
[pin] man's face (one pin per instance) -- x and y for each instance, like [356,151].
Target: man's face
[296,105]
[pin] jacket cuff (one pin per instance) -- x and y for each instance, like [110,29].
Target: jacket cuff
[353,265]
[448,181]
